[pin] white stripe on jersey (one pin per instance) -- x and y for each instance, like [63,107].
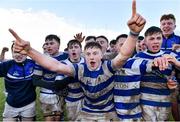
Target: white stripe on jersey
[127,99]
[157,98]
[129,111]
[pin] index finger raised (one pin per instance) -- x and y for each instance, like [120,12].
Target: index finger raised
[15,34]
[133,8]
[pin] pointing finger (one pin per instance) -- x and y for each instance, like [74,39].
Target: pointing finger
[15,35]
[133,8]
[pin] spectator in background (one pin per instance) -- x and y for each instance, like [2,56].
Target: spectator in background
[119,42]
[168,25]
[103,41]
[140,45]
[112,45]
[90,39]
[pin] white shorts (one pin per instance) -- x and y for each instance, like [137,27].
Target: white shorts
[152,113]
[73,109]
[100,117]
[53,104]
[49,98]
[26,111]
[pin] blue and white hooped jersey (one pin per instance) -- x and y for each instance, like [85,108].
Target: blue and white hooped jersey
[154,90]
[48,75]
[97,86]
[75,92]
[127,88]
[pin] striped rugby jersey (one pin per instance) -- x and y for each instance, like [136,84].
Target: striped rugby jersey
[48,75]
[154,91]
[75,92]
[97,86]
[127,88]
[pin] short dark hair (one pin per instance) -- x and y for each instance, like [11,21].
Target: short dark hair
[121,36]
[167,16]
[152,30]
[51,37]
[103,38]
[140,38]
[72,42]
[113,42]
[90,37]
[92,45]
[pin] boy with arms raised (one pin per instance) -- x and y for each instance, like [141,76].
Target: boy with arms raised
[95,75]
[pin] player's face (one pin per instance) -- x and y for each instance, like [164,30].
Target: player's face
[74,52]
[167,26]
[103,44]
[140,45]
[19,58]
[154,42]
[112,48]
[93,58]
[45,48]
[52,47]
[119,43]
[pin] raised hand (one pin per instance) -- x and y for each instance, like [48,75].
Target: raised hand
[137,22]
[20,45]
[5,49]
[79,37]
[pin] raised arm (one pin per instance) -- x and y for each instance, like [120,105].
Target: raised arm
[135,24]
[47,62]
[2,55]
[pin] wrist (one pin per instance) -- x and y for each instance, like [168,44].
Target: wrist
[134,34]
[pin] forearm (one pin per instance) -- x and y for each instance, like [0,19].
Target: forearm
[56,85]
[61,84]
[128,47]
[43,83]
[50,63]
[126,51]
[2,56]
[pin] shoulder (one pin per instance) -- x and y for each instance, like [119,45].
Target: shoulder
[61,56]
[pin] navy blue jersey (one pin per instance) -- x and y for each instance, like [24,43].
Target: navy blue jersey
[18,82]
[168,42]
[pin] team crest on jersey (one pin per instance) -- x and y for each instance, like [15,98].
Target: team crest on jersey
[15,73]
